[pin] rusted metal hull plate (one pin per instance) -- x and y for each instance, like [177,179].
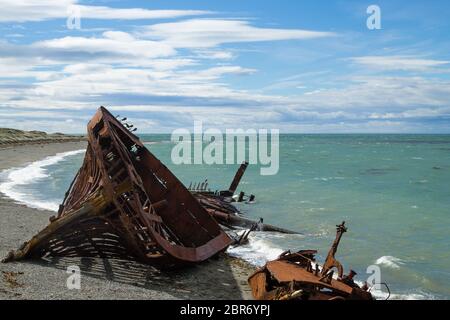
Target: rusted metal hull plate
[286,272]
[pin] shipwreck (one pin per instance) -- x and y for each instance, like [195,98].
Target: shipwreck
[124,203]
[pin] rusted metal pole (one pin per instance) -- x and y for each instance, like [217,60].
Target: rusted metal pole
[238,177]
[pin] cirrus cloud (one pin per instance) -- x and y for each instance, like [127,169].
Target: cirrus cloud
[40,10]
[205,33]
[402,63]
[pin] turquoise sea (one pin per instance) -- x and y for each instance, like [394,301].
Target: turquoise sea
[393,191]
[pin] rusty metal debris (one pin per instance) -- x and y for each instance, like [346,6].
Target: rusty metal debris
[124,203]
[219,205]
[227,195]
[297,276]
[243,238]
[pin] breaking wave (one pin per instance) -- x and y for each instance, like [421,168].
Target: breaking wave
[390,262]
[411,295]
[15,178]
[257,251]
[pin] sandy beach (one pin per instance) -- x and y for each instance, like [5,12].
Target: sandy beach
[220,278]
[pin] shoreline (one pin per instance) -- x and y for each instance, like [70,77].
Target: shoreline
[223,277]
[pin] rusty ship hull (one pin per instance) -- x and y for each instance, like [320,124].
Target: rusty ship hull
[124,203]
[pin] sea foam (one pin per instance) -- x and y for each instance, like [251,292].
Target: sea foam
[15,178]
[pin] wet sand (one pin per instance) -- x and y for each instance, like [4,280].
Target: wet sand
[220,278]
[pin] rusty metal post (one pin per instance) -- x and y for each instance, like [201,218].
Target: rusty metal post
[331,261]
[238,177]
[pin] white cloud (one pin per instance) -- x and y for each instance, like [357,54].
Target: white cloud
[370,93]
[216,73]
[420,113]
[97,12]
[214,54]
[402,63]
[40,10]
[206,33]
[111,47]
[115,42]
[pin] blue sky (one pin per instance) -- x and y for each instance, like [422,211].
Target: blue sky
[297,66]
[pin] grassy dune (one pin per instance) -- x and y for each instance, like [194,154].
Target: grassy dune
[10,137]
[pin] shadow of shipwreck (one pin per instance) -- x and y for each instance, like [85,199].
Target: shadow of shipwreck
[212,279]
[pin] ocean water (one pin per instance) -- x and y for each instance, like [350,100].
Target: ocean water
[393,191]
